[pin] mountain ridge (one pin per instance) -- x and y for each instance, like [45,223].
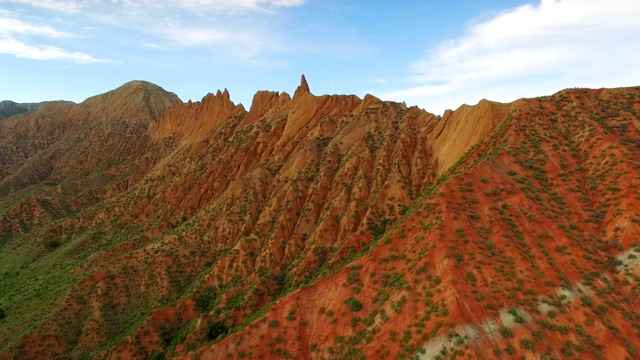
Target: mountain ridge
[10,108]
[203,229]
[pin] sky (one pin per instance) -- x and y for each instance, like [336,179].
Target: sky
[436,54]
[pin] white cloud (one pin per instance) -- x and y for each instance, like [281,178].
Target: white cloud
[547,46]
[12,29]
[14,26]
[74,6]
[185,36]
[67,6]
[287,3]
[42,52]
[235,4]
[226,30]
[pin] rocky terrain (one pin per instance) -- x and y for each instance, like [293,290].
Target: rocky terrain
[136,226]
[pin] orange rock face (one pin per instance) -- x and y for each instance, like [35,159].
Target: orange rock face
[320,227]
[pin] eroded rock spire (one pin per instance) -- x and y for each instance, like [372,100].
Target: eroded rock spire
[303,88]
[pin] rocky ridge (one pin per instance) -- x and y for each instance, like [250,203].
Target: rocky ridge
[320,226]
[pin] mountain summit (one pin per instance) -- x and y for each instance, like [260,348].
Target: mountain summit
[304,86]
[136,226]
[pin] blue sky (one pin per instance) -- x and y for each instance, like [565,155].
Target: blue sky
[434,54]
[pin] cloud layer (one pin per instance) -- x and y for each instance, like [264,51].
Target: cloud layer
[15,36]
[235,27]
[73,6]
[529,50]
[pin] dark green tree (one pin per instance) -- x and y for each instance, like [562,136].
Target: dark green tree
[216,330]
[206,299]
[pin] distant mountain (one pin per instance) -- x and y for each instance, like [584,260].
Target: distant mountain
[136,226]
[9,108]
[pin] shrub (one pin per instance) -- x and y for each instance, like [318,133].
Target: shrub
[378,229]
[206,299]
[510,349]
[563,329]
[527,344]
[586,301]
[355,321]
[216,330]
[505,332]
[538,334]
[53,244]
[158,356]
[354,304]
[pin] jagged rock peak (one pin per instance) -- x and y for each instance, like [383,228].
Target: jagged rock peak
[267,101]
[303,88]
[192,121]
[222,94]
[370,100]
[264,100]
[303,84]
[225,93]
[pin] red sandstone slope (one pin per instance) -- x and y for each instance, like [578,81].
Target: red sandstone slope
[272,223]
[526,249]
